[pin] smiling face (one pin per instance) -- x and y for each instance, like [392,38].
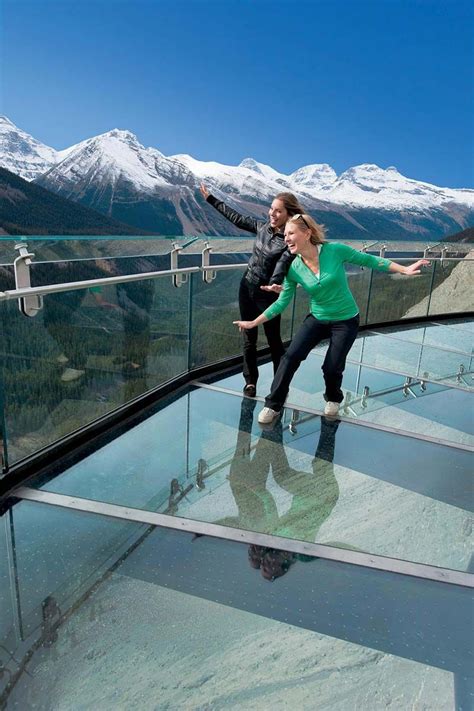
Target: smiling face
[297,236]
[278,214]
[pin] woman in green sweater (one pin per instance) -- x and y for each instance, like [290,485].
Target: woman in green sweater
[319,269]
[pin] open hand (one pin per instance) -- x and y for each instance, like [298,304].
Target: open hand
[244,325]
[204,191]
[275,288]
[415,268]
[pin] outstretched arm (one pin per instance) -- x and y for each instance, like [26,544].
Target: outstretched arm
[409,270]
[289,288]
[247,325]
[353,256]
[249,224]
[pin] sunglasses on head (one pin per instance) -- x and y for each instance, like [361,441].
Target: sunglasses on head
[299,216]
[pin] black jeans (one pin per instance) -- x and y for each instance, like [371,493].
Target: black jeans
[252,302]
[341,334]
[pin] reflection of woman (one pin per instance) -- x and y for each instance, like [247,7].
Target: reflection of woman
[314,494]
[319,269]
[268,265]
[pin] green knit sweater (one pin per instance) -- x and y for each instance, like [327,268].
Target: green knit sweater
[330,296]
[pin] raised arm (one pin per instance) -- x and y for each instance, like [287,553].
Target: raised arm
[243,222]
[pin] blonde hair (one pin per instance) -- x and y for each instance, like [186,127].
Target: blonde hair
[317,231]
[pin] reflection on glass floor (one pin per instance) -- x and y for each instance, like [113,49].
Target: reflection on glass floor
[334,483]
[117,615]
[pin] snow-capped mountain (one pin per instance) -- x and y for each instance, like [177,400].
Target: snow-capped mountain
[21,153]
[313,177]
[115,174]
[370,186]
[112,156]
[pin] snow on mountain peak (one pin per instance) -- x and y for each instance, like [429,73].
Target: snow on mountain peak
[113,155]
[315,176]
[4,120]
[265,171]
[23,154]
[368,185]
[118,155]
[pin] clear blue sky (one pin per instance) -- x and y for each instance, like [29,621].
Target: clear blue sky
[283,81]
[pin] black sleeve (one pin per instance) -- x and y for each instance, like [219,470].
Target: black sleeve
[250,224]
[281,268]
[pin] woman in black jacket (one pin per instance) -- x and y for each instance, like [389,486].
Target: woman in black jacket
[268,264]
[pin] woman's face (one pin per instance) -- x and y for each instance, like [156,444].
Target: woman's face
[278,214]
[296,236]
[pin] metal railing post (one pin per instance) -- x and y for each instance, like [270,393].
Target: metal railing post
[28,305]
[178,279]
[207,275]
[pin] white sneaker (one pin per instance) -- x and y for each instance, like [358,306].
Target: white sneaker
[62,359]
[331,409]
[267,415]
[71,374]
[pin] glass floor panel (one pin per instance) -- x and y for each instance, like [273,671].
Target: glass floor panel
[443,336]
[412,358]
[118,615]
[381,397]
[329,482]
[465,325]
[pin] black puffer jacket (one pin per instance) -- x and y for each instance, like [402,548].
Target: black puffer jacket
[270,258]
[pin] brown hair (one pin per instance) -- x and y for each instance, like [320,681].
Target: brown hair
[291,203]
[317,231]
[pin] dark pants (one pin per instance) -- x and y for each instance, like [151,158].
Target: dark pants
[341,336]
[253,302]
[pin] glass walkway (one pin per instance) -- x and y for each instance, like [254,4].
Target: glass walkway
[180,556]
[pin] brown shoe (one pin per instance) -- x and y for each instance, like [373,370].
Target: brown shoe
[250,390]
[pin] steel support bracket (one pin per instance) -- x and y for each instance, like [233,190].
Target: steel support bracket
[207,275]
[178,279]
[28,305]
[295,416]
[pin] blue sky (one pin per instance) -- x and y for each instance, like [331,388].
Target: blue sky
[283,81]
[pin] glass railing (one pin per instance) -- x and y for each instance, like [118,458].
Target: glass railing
[91,350]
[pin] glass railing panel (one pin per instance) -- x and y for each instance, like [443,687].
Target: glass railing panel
[214,307]
[417,360]
[86,353]
[408,404]
[307,486]
[452,288]
[198,619]
[89,247]
[394,297]
[8,614]
[449,337]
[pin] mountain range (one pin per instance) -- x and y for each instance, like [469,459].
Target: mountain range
[117,176]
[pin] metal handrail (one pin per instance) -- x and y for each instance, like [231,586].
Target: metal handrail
[86,284]
[105,281]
